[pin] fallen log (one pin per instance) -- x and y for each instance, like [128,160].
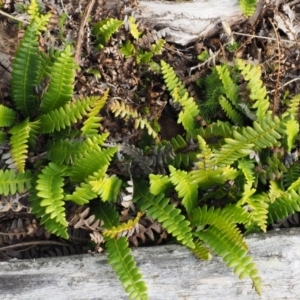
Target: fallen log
[188,21]
[171,272]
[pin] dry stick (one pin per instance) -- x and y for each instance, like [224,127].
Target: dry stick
[12,17]
[79,39]
[278,70]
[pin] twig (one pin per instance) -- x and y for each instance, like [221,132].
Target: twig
[80,35]
[12,17]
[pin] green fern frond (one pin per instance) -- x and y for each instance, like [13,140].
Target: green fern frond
[63,117]
[133,28]
[186,189]
[171,80]
[231,89]
[231,113]
[292,133]
[172,220]
[64,151]
[257,88]
[275,191]
[12,182]
[122,261]
[106,213]
[60,88]
[189,110]
[258,206]
[123,110]
[248,7]
[92,124]
[92,161]
[247,168]
[159,183]
[265,134]
[47,202]
[225,220]
[157,47]
[83,194]
[35,16]
[107,187]
[127,49]
[284,206]
[19,144]
[291,175]
[201,250]
[293,106]
[105,29]
[234,256]
[7,116]
[25,70]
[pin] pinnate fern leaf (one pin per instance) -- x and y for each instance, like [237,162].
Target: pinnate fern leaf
[19,143]
[25,71]
[60,88]
[47,199]
[172,220]
[7,116]
[231,112]
[233,255]
[12,182]
[258,91]
[186,189]
[66,115]
[92,124]
[248,7]
[122,261]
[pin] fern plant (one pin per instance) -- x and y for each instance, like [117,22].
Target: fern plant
[73,164]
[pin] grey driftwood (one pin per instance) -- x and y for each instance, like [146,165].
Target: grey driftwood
[171,272]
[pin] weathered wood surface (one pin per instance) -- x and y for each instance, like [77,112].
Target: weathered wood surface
[171,272]
[188,21]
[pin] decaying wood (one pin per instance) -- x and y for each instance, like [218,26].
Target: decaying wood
[188,20]
[171,272]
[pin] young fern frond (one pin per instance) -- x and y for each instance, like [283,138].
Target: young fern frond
[7,116]
[63,117]
[231,89]
[159,183]
[231,112]
[190,109]
[248,7]
[233,255]
[291,175]
[12,182]
[105,29]
[60,88]
[172,220]
[133,28]
[186,189]
[292,133]
[123,110]
[92,124]
[122,261]
[19,143]
[47,201]
[293,106]
[107,188]
[258,91]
